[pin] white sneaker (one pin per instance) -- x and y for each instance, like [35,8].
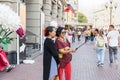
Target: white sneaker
[101,64]
[116,62]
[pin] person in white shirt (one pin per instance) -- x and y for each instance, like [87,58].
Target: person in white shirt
[73,35]
[113,39]
[79,35]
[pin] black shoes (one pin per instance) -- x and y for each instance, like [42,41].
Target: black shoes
[9,68]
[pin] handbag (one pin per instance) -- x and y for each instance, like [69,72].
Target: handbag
[66,58]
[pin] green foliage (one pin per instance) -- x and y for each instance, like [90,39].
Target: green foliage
[4,36]
[82,17]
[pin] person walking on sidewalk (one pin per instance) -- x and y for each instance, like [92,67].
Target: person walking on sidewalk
[100,47]
[63,46]
[113,38]
[4,63]
[73,35]
[79,35]
[50,56]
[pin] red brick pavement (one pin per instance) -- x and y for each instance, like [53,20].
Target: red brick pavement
[84,67]
[25,71]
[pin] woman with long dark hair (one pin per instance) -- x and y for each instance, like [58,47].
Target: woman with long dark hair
[99,46]
[63,46]
[50,56]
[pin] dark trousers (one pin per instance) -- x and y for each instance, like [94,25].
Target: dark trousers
[79,37]
[73,38]
[113,51]
[86,39]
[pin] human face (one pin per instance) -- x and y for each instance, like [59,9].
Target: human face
[63,32]
[53,33]
[110,28]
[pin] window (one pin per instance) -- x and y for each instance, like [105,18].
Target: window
[23,1]
[75,14]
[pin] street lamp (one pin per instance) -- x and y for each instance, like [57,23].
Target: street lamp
[111,6]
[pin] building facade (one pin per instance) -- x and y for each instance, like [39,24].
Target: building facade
[36,15]
[107,14]
[99,19]
[117,14]
[71,17]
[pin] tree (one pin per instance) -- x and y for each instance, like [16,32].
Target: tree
[82,17]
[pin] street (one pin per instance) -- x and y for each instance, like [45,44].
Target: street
[84,67]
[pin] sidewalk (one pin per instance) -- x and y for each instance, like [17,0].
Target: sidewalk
[84,67]
[25,71]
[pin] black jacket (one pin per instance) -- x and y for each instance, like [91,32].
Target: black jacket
[49,51]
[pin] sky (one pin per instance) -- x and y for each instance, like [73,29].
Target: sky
[88,6]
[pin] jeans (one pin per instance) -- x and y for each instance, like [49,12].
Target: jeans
[113,51]
[92,38]
[73,38]
[100,55]
[79,37]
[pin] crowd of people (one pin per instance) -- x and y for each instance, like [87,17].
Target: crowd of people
[58,53]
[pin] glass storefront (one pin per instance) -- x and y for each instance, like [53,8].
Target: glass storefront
[32,43]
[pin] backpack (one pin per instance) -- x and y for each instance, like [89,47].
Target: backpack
[100,42]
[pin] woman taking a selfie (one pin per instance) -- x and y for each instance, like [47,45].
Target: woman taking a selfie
[63,46]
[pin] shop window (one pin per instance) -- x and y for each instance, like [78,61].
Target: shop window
[42,8]
[23,1]
[32,43]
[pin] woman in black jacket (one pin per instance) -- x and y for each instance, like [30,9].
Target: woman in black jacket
[50,57]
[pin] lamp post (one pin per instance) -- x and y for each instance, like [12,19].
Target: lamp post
[18,48]
[111,6]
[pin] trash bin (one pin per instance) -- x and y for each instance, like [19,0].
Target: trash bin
[12,57]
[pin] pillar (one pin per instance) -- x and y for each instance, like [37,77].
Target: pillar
[47,11]
[60,16]
[54,12]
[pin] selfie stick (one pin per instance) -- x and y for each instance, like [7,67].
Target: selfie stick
[80,45]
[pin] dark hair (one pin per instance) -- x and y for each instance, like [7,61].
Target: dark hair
[101,33]
[97,30]
[111,26]
[48,29]
[59,30]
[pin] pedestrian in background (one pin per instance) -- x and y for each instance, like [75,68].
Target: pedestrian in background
[79,34]
[92,35]
[113,38]
[73,35]
[63,46]
[50,56]
[85,35]
[100,47]
[69,35]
